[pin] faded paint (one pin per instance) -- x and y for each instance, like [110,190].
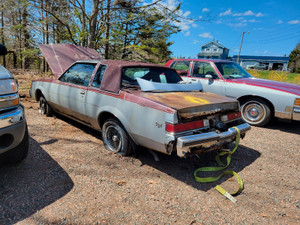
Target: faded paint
[61,56]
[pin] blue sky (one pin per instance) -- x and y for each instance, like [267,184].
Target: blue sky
[273,26]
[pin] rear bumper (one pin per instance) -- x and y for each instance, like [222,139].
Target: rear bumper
[184,144]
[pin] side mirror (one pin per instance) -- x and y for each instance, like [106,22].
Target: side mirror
[210,78]
[3,50]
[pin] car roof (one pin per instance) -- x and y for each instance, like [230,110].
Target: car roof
[204,60]
[113,74]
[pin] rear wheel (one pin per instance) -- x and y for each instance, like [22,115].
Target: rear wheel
[256,112]
[115,138]
[44,108]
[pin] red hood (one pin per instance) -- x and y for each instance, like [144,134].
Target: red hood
[276,85]
[61,56]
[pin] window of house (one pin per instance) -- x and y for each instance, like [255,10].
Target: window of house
[79,74]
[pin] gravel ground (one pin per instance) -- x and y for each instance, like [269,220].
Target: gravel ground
[69,178]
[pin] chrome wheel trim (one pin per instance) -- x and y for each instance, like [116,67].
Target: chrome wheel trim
[254,112]
[113,138]
[42,107]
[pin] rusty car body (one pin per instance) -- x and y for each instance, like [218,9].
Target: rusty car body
[139,104]
[260,99]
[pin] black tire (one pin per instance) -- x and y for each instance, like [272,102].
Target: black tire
[115,138]
[20,152]
[256,112]
[44,108]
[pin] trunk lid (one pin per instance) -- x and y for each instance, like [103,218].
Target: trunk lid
[194,104]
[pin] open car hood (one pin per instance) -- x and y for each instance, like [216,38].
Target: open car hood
[61,56]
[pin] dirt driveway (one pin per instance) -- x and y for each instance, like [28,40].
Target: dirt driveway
[69,178]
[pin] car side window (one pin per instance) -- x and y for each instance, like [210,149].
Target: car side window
[98,76]
[181,65]
[79,74]
[201,69]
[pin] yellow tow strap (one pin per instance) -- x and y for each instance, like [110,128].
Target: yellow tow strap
[227,172]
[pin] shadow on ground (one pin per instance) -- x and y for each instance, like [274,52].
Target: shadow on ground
[183,169]
[285,126]
[31,185]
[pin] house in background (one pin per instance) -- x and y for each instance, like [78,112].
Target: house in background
[213,50]
[262,62]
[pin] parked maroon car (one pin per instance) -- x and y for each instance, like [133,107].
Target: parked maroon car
[260,99]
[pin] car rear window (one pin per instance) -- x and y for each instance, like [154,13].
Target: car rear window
[154,74]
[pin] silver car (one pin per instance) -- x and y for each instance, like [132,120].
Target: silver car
[14,139]
[136,104]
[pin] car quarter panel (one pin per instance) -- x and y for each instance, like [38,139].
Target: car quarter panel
[145,125]
[282,101]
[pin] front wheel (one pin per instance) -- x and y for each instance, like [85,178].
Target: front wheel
[44,108]
[256,112]
[115,138]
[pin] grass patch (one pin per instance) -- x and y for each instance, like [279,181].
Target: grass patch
[293,78]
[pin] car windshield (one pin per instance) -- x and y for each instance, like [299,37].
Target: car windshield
[153,74]
[232,70]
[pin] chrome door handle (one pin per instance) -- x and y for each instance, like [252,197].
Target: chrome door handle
[194,79]
[82,92]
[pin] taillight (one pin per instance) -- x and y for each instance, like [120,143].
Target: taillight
[230,116]
[297,102]
[180,127]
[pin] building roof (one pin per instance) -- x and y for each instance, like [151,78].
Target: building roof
[262,58]
[216,43]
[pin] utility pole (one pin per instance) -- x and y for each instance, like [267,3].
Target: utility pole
[238,58]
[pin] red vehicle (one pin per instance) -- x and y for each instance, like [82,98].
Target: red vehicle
[260,99]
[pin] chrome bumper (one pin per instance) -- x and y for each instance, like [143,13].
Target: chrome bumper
[12,117]
[185,143]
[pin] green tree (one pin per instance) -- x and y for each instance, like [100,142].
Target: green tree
[294,62]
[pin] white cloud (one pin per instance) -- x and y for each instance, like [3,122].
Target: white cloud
[294,22]
[279,22]
[237,14]
[226,13]
[205,10]
[266,52]
[205,35]
[237,24]
[187,33]
[183,24]
[249,13]
[194,25]
[187,13]
[253,21]
[195,42]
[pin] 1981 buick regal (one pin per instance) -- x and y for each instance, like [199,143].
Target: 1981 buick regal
[136,104]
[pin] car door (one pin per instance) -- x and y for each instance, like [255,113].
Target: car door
[182,67]
[72,89]
[95,97]
[205,73]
